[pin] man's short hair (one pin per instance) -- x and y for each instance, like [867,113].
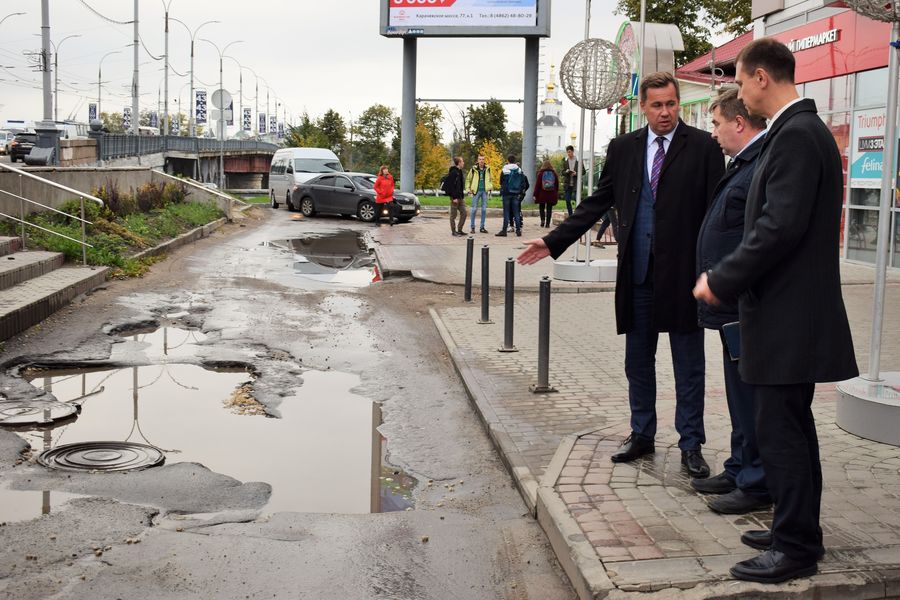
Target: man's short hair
[771,56]
[730,106]
[572,148]
[457,160]
[511,158]
[659,80]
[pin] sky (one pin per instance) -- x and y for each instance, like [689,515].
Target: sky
[313,55]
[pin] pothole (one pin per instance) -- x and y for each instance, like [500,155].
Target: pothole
[324,454]
[341,258]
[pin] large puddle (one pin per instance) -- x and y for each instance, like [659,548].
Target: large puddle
[340,258]
[323,455]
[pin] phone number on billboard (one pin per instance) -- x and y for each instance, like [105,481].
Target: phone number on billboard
[422,2]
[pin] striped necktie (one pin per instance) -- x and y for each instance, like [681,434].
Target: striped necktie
[657,166]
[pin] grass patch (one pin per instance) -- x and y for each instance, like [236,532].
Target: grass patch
[121,228]
[256,199]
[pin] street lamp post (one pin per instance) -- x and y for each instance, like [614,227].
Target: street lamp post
[221,108]
[166,6]
[56,48]
[193,34]
[255,101]
[100,78]
[240,117]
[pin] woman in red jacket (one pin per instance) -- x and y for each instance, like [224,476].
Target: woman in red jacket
[384,195]
[546,191]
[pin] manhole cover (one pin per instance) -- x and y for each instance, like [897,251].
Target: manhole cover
[23,413]
[102,456]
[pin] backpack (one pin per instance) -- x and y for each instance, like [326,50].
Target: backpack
[548,181]
[443,186]
[514,181]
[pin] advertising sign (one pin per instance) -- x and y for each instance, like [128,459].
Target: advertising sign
[154,119]
[175,126]
[262,123]
[92,111]
[867,148]
[247,120]
[229,113]
[273,124]
[126,118]
[200,110]
[489,18]
[281,129]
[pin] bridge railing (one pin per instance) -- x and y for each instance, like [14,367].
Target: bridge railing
[120,146]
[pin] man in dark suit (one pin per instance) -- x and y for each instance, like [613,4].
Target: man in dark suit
[660,179]
[793,324]
[741,487]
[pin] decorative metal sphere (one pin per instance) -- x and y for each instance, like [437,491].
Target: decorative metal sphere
[595,74]
[880,10]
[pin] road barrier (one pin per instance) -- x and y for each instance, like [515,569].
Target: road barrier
[470,252]
[543,384]
[485,286]
[508,307]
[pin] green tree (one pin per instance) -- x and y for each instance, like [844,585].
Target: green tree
[513,145]
[369,134]
[306,134]
[432,159]
[486,122]
[430,117]
[732,17]
[332,126]
[112,122]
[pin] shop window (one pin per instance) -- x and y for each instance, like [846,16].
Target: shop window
[871,87]
[839,125]
[865,196]
[862,235]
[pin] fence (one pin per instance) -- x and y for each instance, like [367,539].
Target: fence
[120,146]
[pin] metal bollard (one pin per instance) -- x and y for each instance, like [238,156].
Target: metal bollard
[470,253]
[485,286]
[543,384]
[508,307]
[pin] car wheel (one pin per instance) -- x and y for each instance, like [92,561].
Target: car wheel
[366,211]
[307,207]
[272,199]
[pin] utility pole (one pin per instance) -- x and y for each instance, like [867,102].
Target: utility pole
[135,82]
[166,129]
[45,58]
[191,106]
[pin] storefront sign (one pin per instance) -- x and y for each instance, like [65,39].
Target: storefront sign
[867,148]
[812,41]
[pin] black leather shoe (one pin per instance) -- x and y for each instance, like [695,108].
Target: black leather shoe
[694,463]
[736,502]
[633,447]
[482,230]
[720,484]
[501,234]
[773,566]
[761,539]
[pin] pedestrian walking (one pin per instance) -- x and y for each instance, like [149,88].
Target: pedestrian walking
[384,196]
[570,177]
[546,193]
[741,486]
[480,185]
[609,218]
[513,183]
[661,179]
[794,331]
[453,186]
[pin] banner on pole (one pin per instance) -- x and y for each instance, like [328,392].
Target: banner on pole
[200,109]
[92,111]
[247,120]
[262,123]
[126,118]
[273,124]
[281,129]
[154,119]
[229,113]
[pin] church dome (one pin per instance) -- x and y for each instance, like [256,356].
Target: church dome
[550,121]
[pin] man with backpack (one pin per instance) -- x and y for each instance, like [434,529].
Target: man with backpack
[480,185]
[513,185]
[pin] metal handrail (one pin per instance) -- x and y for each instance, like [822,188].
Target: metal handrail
[22,200]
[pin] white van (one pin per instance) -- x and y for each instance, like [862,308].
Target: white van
[292,166]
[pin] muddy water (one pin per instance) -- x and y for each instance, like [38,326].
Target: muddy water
[341,258]
[323,455]
[24,505]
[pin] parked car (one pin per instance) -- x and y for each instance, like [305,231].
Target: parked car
[6,137]
[347,194]
[21,146]
[292,166]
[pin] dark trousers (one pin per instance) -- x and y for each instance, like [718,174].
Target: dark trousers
[546,213]
[391,211]
[509,207]
[570,199]
[609,219]
[789,447]
[688,361]
[744,466]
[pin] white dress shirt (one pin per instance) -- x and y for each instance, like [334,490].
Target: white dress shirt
[652,146]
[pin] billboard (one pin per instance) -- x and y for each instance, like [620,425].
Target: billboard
[465,18]
[867,151]
[200,107]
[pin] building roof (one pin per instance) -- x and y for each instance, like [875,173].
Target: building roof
[698,70]
[550,121]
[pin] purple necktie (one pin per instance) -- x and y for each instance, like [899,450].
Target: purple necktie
[657,166]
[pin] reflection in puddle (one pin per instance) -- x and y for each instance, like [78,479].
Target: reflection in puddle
[323,455]
[24,505]
[340,258]
[169,342]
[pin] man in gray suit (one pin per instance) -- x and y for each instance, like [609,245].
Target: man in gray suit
[793,324]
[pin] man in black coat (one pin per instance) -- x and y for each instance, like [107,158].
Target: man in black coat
[454,182]
[741,487]
[793,324]
[661,180]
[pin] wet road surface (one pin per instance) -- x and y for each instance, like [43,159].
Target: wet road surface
[296,393]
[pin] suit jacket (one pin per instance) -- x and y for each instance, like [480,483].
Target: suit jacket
[794,327]
[693,165]
[723,229]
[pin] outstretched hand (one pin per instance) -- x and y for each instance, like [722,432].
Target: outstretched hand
[534,251]
[703,292]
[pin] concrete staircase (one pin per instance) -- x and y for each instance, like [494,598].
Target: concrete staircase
[34,285]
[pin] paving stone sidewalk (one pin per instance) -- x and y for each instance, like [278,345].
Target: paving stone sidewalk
[629,529]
